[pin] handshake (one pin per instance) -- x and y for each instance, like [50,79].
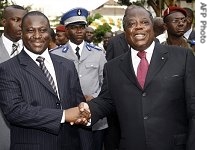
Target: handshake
[78,115]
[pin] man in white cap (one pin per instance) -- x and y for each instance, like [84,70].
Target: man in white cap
[89,61]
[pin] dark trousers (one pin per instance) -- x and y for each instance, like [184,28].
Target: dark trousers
[86,139]
[98,139]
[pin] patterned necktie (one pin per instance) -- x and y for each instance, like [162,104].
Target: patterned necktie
[14,49]
[46,72]
[77,52]
[142,68]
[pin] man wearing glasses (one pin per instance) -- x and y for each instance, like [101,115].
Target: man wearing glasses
[175,23]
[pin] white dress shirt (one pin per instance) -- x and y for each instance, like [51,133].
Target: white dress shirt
[8,45]
[136,59]
[74,46]
[187,34]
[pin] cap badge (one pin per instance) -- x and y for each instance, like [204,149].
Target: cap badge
[79,12]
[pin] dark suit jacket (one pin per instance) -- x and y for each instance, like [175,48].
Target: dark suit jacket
[160,117]
[117,46]
[33,109]
[192,35]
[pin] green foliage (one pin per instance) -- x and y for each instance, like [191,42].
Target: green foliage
[3,4]
[97,16]
[100,31]
[90,19]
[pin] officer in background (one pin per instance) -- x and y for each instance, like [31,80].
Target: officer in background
[61,36]
[89,61]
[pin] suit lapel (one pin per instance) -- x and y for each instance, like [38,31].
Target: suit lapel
[59,74]
[30,66]
[159,57]
[127,67]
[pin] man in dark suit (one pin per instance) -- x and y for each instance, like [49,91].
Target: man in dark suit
[38,112]
[11,20]
[160,114]
[117,45]
[190,31]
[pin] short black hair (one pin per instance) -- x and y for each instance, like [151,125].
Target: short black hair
[12,6]
[34,13]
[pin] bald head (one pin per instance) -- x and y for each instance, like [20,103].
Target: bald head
[89,34]
[158,26]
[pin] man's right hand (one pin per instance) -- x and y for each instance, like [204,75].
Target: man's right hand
[78,115]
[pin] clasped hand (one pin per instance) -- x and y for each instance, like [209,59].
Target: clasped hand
[78,115]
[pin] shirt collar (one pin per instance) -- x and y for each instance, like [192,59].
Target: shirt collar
[149,51]
[45,54]
[8,44]
[74,46]
[187,34]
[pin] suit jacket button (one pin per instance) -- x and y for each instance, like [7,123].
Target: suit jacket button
[146,117]
[58,103]
[144,94]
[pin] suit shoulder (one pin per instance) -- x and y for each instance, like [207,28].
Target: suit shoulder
[93,47]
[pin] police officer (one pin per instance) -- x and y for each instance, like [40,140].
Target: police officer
[89,61]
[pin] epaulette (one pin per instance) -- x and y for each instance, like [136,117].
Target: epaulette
[58,47]
[65,48]
[92,46]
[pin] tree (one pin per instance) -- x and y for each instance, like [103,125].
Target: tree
[100,31]
[3,4]
[90,19]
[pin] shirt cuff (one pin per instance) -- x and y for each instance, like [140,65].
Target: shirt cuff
[63,117]
[89,123]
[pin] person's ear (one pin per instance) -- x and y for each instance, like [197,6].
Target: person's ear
[3,22]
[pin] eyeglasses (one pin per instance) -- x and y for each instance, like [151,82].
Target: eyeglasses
[176,21]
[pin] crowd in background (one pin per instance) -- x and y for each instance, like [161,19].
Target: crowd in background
[36,116]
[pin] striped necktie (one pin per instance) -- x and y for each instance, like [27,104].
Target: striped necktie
[77,52]
[46,72]
[14,49]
